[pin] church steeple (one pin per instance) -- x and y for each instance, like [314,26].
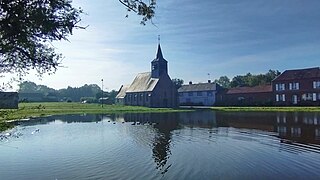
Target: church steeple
[159,53]
[159,64]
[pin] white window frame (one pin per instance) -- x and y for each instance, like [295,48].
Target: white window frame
[316,84]
[280,87]
[314,96]
[294,86]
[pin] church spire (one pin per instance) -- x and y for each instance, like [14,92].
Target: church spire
[159,52]
[159,55]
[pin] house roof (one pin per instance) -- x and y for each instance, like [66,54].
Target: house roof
[255,89]
[198,87]
[122,91]
[143,82]
[298,74]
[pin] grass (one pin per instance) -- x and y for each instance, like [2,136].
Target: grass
[268,109]
[28,110]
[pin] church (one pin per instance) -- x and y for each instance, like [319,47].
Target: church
[150,89]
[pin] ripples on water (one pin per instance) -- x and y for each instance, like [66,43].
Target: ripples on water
[197,145]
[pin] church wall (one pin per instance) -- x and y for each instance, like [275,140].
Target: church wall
[164,94]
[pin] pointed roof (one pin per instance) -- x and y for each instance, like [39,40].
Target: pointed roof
[122,91]
[159,56]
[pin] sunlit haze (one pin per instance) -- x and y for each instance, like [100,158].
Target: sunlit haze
[197,37]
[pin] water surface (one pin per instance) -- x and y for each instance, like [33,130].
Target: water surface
[189,145]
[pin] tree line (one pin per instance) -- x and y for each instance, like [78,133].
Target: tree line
[249,79]
[30,91]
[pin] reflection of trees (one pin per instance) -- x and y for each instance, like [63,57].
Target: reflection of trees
[64,118]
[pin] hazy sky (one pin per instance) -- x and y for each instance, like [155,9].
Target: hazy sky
[220,37]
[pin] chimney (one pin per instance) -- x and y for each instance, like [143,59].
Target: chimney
[209,81]
[190,82]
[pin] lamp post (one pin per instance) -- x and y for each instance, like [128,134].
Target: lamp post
[101,92]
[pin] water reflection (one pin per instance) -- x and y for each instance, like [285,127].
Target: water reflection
[173,140]
[302,127]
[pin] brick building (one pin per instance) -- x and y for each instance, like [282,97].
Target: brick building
[246,96]
[297,87]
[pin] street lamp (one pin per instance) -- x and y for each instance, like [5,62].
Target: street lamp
[101,92]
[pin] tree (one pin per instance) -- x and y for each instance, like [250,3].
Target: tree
[177,82]
[144,8]
[223,81]
[238,81]
[27,27]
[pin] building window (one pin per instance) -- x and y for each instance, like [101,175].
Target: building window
[141,96]
[280,97]
[209,93]
[294,99]
[316,84]
[190,93]
[294,86]
[199,93]
[181,94]
[314,96]
[280,87]
[307,97]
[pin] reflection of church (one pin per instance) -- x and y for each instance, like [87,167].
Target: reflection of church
[151,89]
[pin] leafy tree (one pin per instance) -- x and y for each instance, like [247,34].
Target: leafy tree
[238,81]
[254,80]
[223,81]
[177,82]
[27,27]
[145,8]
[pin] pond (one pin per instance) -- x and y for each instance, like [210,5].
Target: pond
[188,145]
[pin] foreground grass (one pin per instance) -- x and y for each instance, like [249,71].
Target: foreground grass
[268,109]
[28,110]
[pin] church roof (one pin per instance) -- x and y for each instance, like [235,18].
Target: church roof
[142,83]
[122,91]
[159,56]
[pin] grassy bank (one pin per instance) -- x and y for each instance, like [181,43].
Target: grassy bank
[268,109]
[27,110]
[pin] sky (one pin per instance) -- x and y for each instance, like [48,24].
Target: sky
[219,37]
